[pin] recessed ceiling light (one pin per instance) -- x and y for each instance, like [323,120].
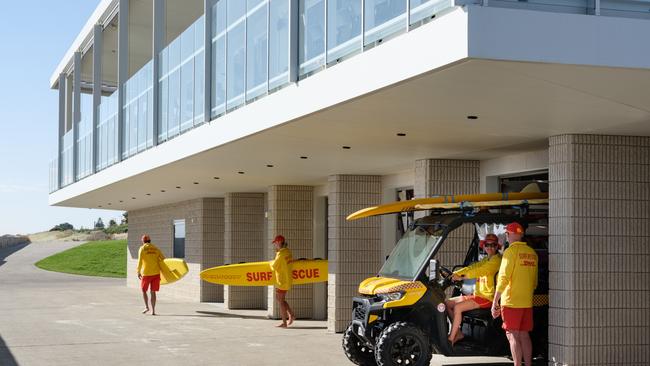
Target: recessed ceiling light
[109,203]
[401,134]
[132,198]
[346,147]
[303,157]
[269,165]
[178,187]
[472,117]
[121,201]
[196,182]
[240,173]
[215,177]
[100,206]
[148,194]
[162,190]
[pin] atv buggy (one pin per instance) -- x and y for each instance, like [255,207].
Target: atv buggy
[401,317]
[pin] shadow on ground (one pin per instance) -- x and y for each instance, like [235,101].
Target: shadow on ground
[226,315]
[5,252]
[6,358]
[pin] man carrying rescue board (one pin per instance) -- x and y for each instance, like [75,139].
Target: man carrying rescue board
[149,258]
[282,279]
[516,282]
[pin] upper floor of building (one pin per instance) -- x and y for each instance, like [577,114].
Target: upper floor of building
[144,72]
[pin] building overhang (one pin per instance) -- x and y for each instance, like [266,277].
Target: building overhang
[425,84]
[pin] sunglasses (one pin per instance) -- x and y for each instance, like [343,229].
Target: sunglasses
[493,245]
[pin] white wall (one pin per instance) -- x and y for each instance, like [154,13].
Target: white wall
[529,161]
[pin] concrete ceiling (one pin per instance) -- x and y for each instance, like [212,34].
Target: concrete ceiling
[518,105]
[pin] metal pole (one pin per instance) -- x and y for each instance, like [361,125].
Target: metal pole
[62,106]
[158,38]
[97,90]
[122,70]
[207,59]
[76,113]
[294,26]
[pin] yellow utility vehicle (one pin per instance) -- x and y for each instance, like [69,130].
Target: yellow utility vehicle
[401,318]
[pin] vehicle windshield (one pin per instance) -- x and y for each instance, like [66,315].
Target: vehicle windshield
[411,252]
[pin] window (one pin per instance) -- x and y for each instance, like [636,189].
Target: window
[179,238]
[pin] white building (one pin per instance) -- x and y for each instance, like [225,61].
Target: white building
[265,117]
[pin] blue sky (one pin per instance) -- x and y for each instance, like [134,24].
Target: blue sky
[34,36]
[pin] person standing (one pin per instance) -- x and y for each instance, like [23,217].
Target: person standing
[516,282]
[149,257]
[282,279]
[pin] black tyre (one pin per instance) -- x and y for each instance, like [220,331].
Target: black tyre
[403,344]
[356,350]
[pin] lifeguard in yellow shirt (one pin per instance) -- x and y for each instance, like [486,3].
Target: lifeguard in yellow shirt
[282,278]
[484,271]
[513,299]
[149,258]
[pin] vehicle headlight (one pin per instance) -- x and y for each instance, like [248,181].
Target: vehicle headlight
[391,296]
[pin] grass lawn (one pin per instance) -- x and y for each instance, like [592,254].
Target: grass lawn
[98,258]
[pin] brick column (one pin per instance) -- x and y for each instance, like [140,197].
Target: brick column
[354,247]
[244,242]
[213,239]
[599,250]
[203,243]
[434,177]
[291,214]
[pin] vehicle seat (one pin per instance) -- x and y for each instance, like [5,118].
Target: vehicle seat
[478,317]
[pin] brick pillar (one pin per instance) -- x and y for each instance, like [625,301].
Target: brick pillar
[599,250]
[291,214]
[244,242]
[434,177]
[213,239]
[354,247]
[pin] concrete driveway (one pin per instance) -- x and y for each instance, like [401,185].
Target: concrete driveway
[49,318]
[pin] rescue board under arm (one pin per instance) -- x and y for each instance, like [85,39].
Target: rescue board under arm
[452,202]
[303,271]
[172,270]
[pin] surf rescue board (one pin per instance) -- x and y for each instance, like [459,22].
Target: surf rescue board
[172,270]
[451,202]
[303,271]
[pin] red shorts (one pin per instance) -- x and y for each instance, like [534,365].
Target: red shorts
[154,281]
[517,319]
[482,303]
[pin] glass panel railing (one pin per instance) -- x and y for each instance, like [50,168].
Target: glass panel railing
[312,36]
[181,82]
[54,175]
[85,137]
[107,132]
[625,8]
[67,159]
[562,6]
[137,133]
[383,18]
[426,9]
[343,28]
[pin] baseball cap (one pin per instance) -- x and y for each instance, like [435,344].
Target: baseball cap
[515,228]
[278,239]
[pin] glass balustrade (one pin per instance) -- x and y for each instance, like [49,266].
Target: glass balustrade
[85,137]
[67,159]
[181,83]
[137,132]
[54,175]
[107,131]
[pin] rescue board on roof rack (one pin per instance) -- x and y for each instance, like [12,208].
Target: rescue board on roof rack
[303,271]
[454,202]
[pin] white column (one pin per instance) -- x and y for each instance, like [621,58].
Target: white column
[122,69]
[158,45]
[76,112]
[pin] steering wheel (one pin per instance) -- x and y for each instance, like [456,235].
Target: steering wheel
[445,272]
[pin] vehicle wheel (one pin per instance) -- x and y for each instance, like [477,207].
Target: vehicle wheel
[403,344]
[356,350]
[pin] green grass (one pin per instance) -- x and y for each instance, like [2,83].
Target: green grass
[99,258]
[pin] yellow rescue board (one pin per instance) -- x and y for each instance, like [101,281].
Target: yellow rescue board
[451,202]
[303,271]
[172,270]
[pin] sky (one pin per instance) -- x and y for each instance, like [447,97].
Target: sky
[34,36]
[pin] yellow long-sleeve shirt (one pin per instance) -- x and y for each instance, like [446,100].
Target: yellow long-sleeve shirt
[149,257]
[280,267]
[484,271]
[517,277]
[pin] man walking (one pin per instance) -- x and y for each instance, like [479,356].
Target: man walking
[149,257]
[516,282]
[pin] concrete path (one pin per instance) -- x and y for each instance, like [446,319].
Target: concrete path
[49,318]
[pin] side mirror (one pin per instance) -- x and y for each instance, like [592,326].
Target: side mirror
[434,266]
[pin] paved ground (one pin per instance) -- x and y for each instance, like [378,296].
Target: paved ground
[49,318]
